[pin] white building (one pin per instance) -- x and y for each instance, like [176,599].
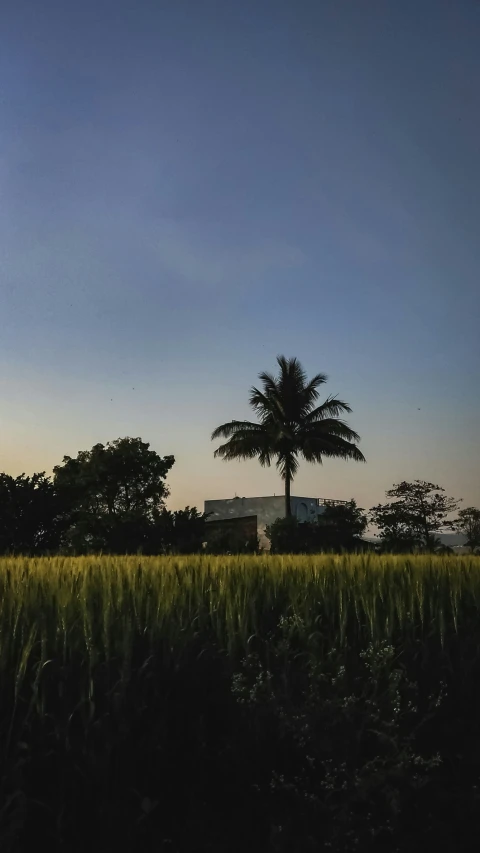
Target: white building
[267,510]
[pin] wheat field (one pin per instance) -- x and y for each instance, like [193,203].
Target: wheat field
[54,606]
[189,703]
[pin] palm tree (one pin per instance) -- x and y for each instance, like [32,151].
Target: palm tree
[290,424]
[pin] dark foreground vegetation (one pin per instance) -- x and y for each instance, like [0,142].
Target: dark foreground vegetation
[240,704]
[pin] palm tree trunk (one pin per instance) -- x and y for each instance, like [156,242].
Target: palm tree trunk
[288,505]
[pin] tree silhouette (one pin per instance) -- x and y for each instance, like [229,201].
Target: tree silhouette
[116,493]
[290,425]
[341,527]
[420,511]
[33,515]
[468,523]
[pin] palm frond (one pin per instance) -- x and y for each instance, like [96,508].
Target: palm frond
[317,380]
[261,402]
[246,441]
[287,464]
[329,427]
[267,404]
[332,446]
[291,385]
[269,383]
[236,450]
[310,393]
[332,407]
[341,449]
[232,428]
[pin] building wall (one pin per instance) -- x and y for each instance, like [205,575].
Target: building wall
[267,510]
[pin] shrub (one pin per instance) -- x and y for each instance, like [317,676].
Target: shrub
[289,536]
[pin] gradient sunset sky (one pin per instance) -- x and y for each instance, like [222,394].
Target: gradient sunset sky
[191,187]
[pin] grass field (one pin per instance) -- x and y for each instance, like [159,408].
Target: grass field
[101,604]
[262,703]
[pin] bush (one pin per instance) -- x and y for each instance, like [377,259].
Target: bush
[290,536]
[342,527]
[230,542]
[338,529]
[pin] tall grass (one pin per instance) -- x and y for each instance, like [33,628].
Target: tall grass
[105,659]
[50,607]
[102,609]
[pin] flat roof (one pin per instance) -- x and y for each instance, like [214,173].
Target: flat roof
[256,498]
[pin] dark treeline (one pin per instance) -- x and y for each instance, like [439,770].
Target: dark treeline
[410,522]
[111,499]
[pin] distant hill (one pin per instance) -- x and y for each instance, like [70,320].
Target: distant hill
[453,540]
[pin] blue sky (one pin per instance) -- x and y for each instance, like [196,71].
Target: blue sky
[190,188]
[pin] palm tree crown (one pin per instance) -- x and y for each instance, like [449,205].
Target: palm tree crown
[290,424]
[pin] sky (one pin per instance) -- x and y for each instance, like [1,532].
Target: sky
[190,188]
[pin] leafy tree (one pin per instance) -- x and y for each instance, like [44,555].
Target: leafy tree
[420,510]
[339,528]
[32,515]
[397,530]
[468,523]
[290,536]
[290,425]
[115,492]
[342,526]
[178,532]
